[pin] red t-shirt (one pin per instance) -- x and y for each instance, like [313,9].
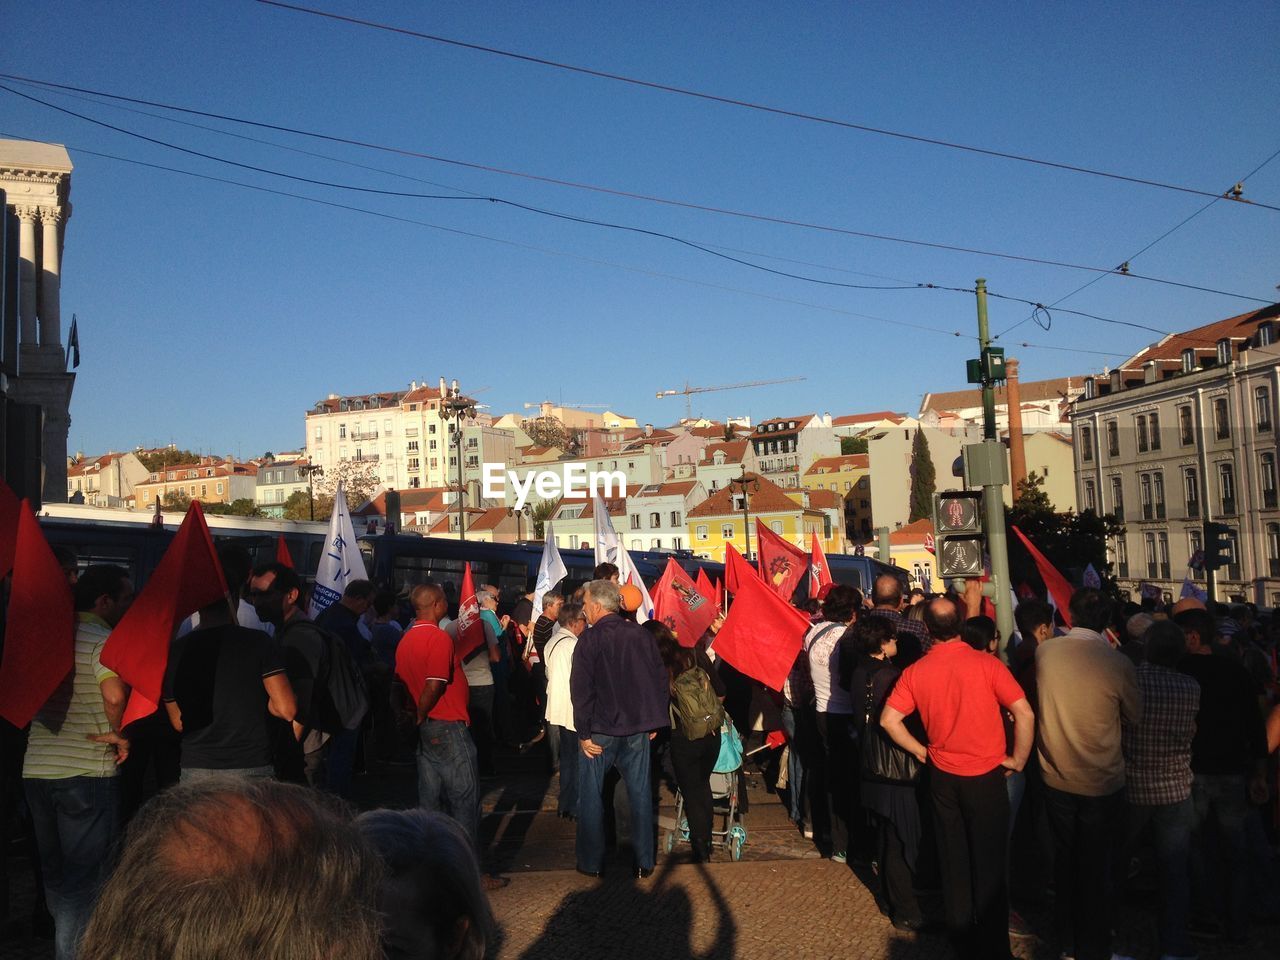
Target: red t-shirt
[959,692]
[426,652]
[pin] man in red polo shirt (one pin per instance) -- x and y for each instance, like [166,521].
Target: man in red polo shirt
[958,692]
[428,664]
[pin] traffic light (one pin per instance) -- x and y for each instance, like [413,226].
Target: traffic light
[958,544]
[1219,547]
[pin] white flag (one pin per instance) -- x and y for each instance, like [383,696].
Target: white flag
[341,561]
[551,570]
[609,549]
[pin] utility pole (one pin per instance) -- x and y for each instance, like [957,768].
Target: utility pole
[749,484]
[985,465]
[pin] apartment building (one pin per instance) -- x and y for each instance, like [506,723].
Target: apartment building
[105,481]
[786,446]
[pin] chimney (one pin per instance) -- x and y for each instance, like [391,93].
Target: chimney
[1013,399]
[648,429]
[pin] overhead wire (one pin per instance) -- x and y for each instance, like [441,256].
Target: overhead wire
[750,105]
[590,187]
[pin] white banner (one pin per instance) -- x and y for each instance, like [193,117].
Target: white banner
[341,561]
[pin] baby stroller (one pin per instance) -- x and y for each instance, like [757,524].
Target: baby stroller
[728,824]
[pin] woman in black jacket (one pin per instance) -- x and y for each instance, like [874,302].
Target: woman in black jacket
[892,804]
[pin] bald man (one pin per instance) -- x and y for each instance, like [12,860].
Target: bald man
[428,665]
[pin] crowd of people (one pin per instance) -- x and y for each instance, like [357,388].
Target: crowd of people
[1135,736]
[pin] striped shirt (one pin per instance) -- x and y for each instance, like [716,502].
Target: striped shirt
[1157,749]
[58,747]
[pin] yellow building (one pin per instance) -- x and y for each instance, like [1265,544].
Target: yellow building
[850,476]
[718,520]
[907,549]
[209,481]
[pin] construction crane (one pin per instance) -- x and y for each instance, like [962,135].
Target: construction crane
[575,406]
[688,391]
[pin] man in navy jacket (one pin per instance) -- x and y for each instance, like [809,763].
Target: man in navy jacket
[620,693]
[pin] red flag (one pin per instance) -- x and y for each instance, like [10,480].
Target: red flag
[782,565]
[187,578]
[775,739]
[819,572]
[703,583]
[762,634]
[470,626]
[39,639]
[720,595]
[282,552]
[9,513]
[736,569]
[1058,586]
[678,604]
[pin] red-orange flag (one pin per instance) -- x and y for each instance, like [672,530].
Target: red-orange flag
[762,634]
[470,626]
[819,572]
[678,603]
[1058,586]
[703,583]
[39,637]
[782,565]
[736,569]
[720,595]
[187,578]
[9,511]
[282,552]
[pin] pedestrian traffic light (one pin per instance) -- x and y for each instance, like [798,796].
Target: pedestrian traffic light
[1219,547]
[958,543]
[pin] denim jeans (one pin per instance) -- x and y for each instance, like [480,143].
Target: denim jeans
[1220,863]
[204,775]
[1171,826]
[1087,834]
[1015,783]
[795,766]
[447,773]
[630,755]
[75,821]
[569,750]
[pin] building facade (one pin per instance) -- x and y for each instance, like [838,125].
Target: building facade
[785,446]
[718,521]
[209,481]
[1183,433]
[105,481]
[278,479]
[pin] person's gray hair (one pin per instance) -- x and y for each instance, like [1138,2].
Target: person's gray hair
[570,614]
[239,868]
[432,851]
[605,593]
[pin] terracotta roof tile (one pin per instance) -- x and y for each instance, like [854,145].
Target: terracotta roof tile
[854,418]
[770,498]
[848,461]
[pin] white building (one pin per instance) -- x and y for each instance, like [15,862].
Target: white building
[105,481]
[278,479]
[723,461]
[656,515]
[786,446]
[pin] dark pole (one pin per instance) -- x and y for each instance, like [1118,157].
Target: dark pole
[744,482]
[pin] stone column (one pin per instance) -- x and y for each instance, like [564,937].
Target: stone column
[50,280]
[27,273]
[1017,448]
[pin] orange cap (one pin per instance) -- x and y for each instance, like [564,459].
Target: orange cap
[631,597]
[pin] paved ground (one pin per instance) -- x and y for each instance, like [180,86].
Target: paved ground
[781,900]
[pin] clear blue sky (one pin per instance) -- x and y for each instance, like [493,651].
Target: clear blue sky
[215,316]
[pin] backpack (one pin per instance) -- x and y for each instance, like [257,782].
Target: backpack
[339,698]
[696,711]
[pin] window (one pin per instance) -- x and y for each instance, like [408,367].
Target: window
[1152,569]
[655,543]
[1191,491]
[1090,496]
[414,463]
[1157,486]
[636,545]
[1144,487]
[655,520]
[726,531]
[1273,549]
[389,451]
[1227,486]
[412,446]
[1153,423]
[342,431]
[676,520]
[435,462]
[1122,557]
[1233,554]
[1086,443]
[635,521]
[848,485]
[573,543]
[431,428]
[1162,552]
[319,434]
[218,487]
[431,444]
[473,442]
[1221,419]
[1141,423]
[1267,479]
[1196,543]
[342,453]
[1117,498]
[702,531]
[1113,438]
[1262,404]
[1186,427]
[204,489]
[677,543]
[776,526]
[473,461]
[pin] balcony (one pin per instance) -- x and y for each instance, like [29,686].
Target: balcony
[355,435]
[366,458]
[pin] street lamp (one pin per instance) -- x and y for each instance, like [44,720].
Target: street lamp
[525,511]
[310,470]
[454,406]
[749,483]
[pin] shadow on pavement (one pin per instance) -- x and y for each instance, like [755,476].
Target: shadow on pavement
[623,917]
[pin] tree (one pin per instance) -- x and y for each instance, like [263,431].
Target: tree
[850,445]
[159,459]
[923,478]
[547,432]
[175,501]
[542,511]
[298,506]
[359,481]
[1070,541]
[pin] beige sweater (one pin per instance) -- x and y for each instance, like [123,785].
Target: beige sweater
[1086,690]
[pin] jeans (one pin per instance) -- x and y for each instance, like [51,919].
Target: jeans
[839,780]
[972,819]
[447,773]
[1085,841]
[480,709]
[568,802]
[795,765]
[553,744]
[1171,825]
[204,775]
[693,762]
[630,754]
[75,821]
[1016,786]
[340,761]
[1220,867]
